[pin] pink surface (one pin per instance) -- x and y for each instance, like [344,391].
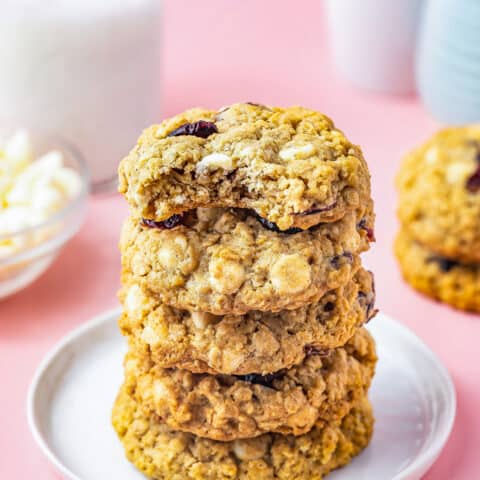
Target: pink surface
[218,52]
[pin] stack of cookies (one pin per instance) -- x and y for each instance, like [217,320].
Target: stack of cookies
[438,246]
[244,297]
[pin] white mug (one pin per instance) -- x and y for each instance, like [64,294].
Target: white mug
[373,42]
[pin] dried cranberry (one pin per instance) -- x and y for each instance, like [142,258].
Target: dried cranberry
[328,307]
[274,227]
[445,264]
[336,261]
[318,210]
[167,224]
[202,129]
[370,233]
[473,182]
[312,350]
[367,301]
[265,380]
[231,175]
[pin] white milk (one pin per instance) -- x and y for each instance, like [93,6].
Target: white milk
[85,69]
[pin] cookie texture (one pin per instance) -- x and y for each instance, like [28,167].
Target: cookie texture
[164,454]
[228,407]
[290,165]
[443,279]
[225,261]
[439,193]
[256,342]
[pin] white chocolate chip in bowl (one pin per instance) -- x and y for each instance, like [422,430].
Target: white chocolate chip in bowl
[43,194]
[290,274]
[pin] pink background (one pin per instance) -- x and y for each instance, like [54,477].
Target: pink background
[218,52]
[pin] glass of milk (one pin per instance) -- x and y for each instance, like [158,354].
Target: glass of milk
[87,70]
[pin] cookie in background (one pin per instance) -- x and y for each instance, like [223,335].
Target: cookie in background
[439,207]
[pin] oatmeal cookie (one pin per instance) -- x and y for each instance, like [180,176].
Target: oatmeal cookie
[441,278]
[256,342]
[164,454]
[227,407]
[225,261]
[290,165]
[439,186]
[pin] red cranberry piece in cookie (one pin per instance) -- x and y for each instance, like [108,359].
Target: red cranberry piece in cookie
[202,129]
[473,182]
[167,224]
[274,227]
[265,380]
[313,350]
[445,264]
[370,232]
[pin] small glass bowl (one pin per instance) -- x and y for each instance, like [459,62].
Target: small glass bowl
[43,242]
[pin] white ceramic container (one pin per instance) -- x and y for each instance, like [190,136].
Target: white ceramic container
[448,60]
[373,42]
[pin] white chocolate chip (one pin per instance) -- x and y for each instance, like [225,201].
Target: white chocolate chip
[131,365]
[290,274]
[18,149]
[149,336]
[179,199]
[245,451]
[232,359]
[214,355]
[13,219]
[67,181]
[226,276]
[431,155]
[201,320]
[247,151]
[172,253]
[47,199]
[213,162]
[160,391]
[458,172]
[297,152]
[133,299]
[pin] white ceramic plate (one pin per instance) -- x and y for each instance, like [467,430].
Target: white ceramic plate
[74,388]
